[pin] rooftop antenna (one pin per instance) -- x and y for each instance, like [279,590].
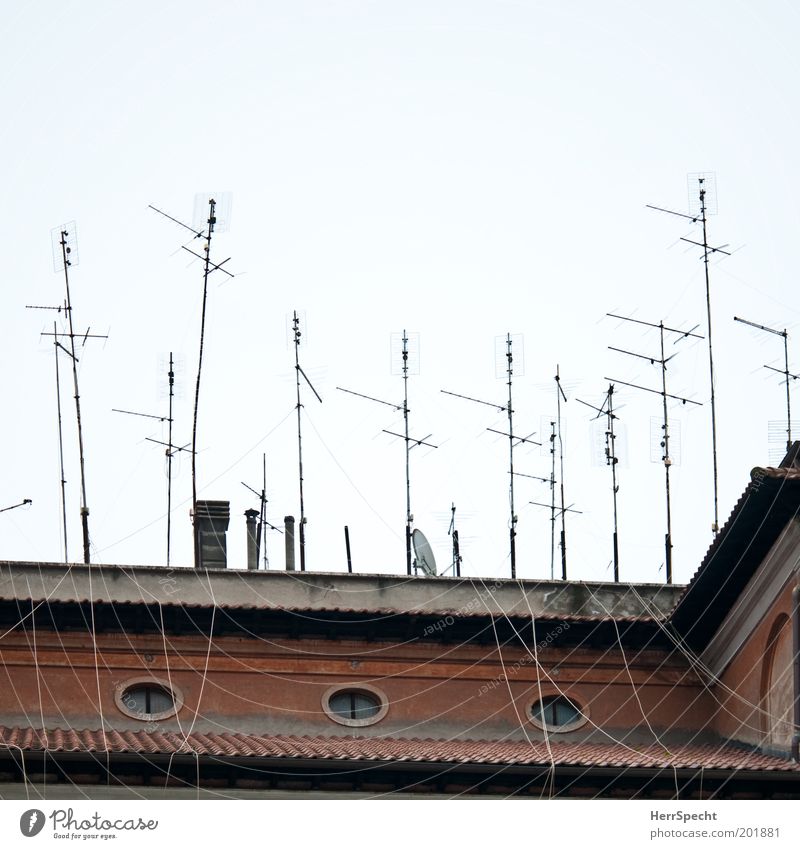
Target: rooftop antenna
[607,410]
[662,362]
[65,255]
[785,372]
[298,372]
[208,268]
[513,441]
[705,183]
[172,449]
[404,366]
[559,395]
[263,524]
[452,532]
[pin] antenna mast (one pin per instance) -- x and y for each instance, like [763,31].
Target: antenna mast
[66,243]
[263,524]
[410,442]
[513,442]
[667,460]
[707,250]
[208,268]
[298,372]
[786,373]
[559,395]
[607,410]
[452,532]
[172,449]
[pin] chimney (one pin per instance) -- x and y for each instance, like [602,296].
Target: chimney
[210,525]
[288,523]
[252,539]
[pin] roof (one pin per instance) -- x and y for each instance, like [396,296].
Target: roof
[770,501]
[393,750]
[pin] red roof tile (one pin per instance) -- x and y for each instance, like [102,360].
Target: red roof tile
[386,749]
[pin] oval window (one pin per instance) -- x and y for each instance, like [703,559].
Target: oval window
[557,713]
[147,700]
[355,706]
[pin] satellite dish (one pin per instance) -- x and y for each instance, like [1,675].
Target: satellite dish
[423,558]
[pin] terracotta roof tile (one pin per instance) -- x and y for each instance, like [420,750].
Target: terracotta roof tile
[387,749]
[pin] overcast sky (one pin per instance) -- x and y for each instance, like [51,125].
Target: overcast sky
[462,170]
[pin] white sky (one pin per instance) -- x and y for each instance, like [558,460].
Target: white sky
[460,169]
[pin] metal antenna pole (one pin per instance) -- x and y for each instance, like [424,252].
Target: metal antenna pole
[405,368]
[171,377]
[61,447]
[212,220]
[409,515]
[559,395]
[68,308]
[513,525]
[707,250]
[611,459]
[453,533]
[666,457]
[607,410]
[262,531]
[715,526]
[552,501]
[786,373]
[298,372]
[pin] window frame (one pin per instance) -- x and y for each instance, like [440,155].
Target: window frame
[358,688]
[121,690]
[552,695]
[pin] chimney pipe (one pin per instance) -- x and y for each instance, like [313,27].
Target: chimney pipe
[211,520]
[252,541]
[288,523]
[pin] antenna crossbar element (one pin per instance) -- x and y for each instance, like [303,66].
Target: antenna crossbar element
[501,407]
[713,250]
[198,234]
[785,371]
[143,415]
[517,439]
[682,333]
[412,439]
[558,509]
[532,477]
[14,506]
[173,448]
[656,392]
[397,407]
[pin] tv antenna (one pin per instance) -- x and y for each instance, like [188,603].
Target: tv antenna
[172,449]
[263,524]
[699,204]
[424,561]
[403,364]
[607,410]
[65,255]
[298,372]
[208,268]
[785,372]
[452,532]
[662,362]
[513,441]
